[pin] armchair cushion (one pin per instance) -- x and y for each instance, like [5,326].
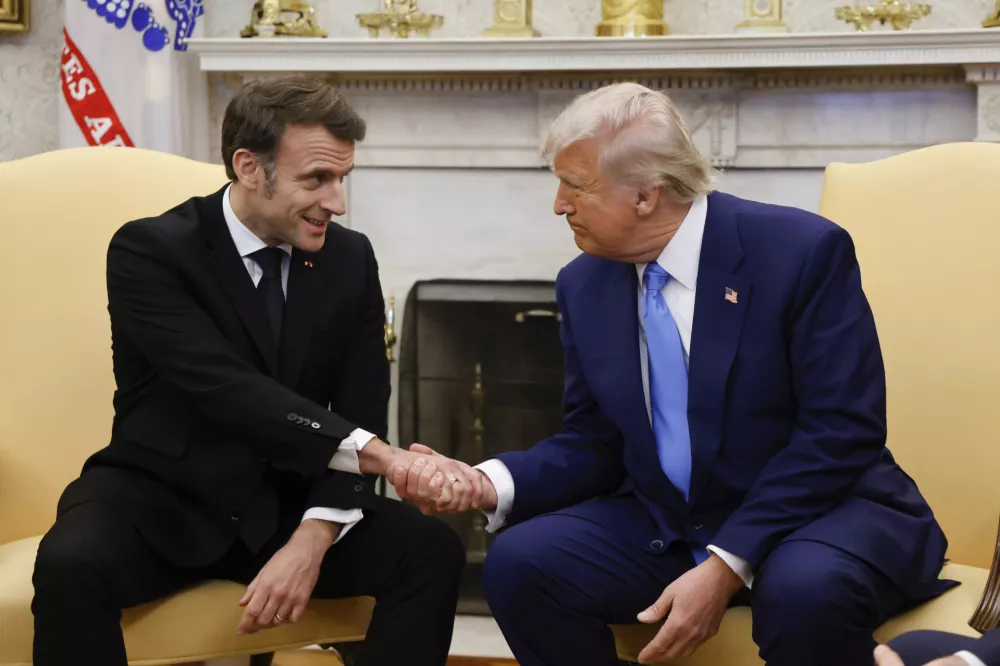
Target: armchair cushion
[195,624]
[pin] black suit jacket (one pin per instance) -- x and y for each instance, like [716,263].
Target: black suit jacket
[218,433]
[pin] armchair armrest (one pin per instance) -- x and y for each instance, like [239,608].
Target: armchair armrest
[987,615]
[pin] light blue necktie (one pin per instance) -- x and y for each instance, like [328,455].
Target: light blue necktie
[668,382]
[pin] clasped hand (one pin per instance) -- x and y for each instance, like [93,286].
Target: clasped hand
[438,484]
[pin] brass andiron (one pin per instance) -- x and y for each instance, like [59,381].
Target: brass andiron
[900,15]
[390,333]
[632,18]
[762,16]
[511,18]
[476,551]
[291,18]
[994,20]
[400,17]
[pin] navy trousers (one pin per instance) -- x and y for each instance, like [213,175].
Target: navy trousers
[556,581]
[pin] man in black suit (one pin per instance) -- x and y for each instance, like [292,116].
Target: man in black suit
[939,648]
[250,411]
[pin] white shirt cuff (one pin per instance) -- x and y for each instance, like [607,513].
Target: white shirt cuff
[737,564]
[346,517]
[970,659]
[346,457]
[503,483]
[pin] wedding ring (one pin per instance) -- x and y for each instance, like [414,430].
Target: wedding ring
[278,618]
[453,479]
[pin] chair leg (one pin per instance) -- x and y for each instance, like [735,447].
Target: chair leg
[264,659]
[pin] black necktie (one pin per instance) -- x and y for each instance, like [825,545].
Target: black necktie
[269,287]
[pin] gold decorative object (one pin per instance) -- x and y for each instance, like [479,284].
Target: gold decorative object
[994,20]
[390,333]
[400,17]
[511,18]
[762,16]
[520,317]
[290,18]
[476,551]
[15,15]
[900,15]
[632,18]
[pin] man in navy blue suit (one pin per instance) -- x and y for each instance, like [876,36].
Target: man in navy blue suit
[725,426]
[939,648]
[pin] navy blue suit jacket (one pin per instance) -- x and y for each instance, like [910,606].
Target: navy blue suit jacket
[786,406]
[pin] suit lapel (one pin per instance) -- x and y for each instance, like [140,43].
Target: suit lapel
[715,338]
[232,273]
[303,279]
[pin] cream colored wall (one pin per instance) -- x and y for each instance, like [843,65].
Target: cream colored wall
[29,83]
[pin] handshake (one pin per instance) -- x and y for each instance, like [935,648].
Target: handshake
[436,483]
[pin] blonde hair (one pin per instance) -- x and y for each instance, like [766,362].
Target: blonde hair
[649,143]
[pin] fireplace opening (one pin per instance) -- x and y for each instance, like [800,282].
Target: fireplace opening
[480,373]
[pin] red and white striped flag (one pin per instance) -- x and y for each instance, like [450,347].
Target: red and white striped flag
[128,80]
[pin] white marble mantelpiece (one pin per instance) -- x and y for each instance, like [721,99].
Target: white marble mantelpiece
[554,54]
[753,101]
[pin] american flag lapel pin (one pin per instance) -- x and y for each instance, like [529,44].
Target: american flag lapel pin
[732,296]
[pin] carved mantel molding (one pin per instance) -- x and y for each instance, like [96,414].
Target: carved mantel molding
[753,101]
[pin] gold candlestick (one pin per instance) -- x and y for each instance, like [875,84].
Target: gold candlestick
[476,552]
[390,332]
[762,16]
[632,18]
[994,20]
[400,17]
[511,18]
[292,18]
[900,15]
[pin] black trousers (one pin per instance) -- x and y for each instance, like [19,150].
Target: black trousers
[93,563]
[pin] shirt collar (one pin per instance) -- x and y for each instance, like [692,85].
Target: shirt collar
[681,255]
[247,242]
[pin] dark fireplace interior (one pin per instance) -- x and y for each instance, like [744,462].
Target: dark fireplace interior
[480,372]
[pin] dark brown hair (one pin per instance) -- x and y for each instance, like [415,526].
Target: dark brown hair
[257,116]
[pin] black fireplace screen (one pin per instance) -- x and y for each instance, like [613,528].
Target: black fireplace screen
[480,372]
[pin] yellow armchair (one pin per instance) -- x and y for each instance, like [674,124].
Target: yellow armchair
[58,211]
[926,225]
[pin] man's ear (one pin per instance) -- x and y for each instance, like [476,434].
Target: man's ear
[646,199]
[247,168]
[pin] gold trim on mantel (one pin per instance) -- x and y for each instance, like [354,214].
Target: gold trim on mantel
[15,15]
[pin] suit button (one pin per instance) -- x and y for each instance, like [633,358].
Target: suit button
[698,527]
[315,425]
[292,416]
[235,519]
[656,544]
[358,488]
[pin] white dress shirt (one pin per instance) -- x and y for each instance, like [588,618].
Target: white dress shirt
[346,457]
[969,658]
[680,259]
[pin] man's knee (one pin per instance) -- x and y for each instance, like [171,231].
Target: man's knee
[521,560]
[63,569]
[77,556]
[796,592]
[438,548]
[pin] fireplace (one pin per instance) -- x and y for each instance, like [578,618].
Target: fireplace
[480,372]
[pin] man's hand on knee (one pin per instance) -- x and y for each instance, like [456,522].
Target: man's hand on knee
[282,589]
[693,605]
